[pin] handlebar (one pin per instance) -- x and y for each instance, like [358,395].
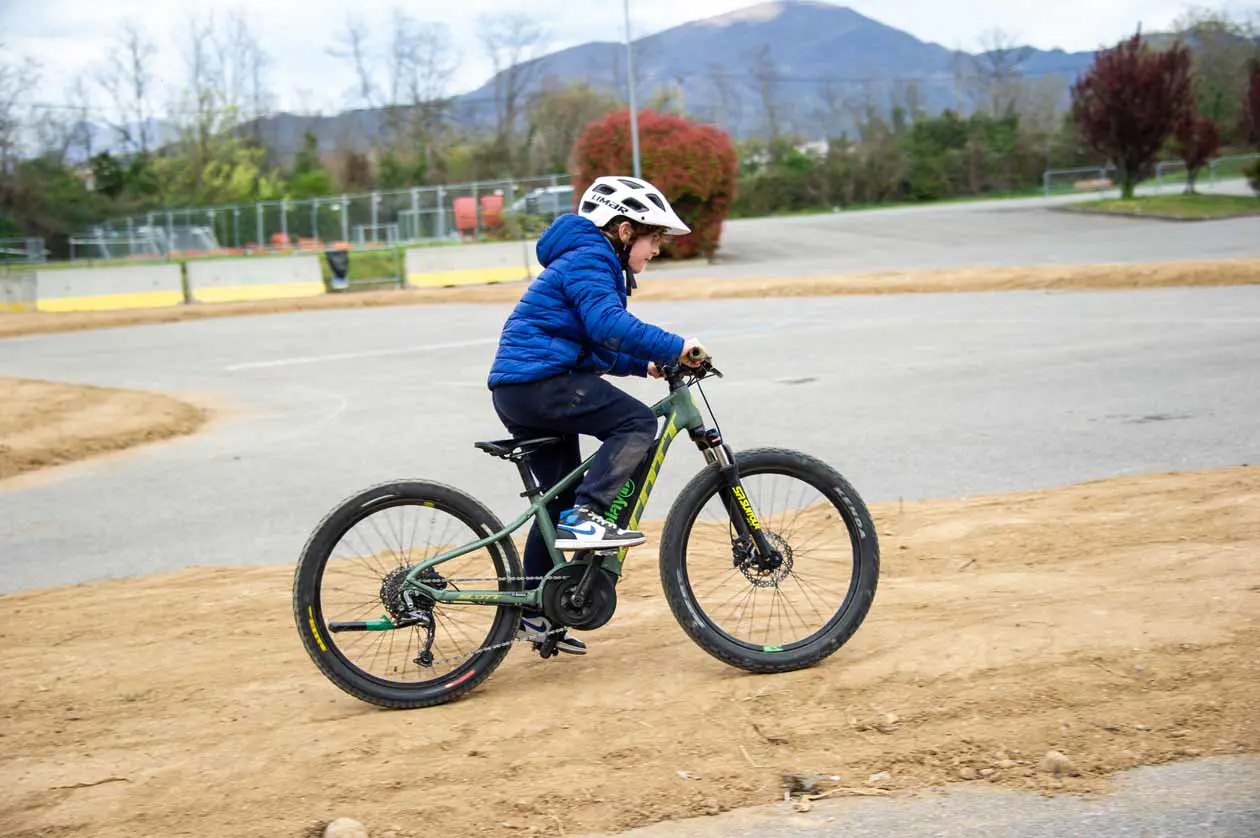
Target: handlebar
[701,368]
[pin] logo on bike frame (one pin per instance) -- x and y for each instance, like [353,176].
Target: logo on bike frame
[621,502]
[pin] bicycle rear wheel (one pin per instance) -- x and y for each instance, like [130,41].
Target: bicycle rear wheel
[755,615]
[351,571]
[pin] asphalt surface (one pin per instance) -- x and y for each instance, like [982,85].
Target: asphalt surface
[1005,233]
[914,396]
[1207,798]
[910,396]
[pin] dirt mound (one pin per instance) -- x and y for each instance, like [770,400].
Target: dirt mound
[1115,622]
[43,423]
[673,284]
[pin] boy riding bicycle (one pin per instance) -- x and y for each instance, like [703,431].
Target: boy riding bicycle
[569,329]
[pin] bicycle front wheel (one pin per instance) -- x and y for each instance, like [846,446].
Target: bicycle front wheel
[771,616]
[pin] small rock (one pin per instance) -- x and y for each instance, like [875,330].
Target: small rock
[345,828]
[1006,763]
[987,772]
[968,773]
[876,779]
[800,783]
[1057,764]
[801,804]
[1141,727]
[686,775]
[1001,756]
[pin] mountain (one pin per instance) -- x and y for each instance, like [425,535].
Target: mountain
[812,56]
[815,62]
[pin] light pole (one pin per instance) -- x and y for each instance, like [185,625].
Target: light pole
[634,108]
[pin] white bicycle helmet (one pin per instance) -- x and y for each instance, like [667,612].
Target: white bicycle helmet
[638,200]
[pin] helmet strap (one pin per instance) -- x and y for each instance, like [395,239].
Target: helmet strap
[622,250]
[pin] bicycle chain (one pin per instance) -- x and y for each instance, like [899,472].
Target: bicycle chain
[506,643]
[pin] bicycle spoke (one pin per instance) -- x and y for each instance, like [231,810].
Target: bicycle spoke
[816,547]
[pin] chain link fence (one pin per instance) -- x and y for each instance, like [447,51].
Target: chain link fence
[502,210]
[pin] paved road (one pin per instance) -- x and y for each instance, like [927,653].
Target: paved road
[911,396]
[1207,798]
[1025,231]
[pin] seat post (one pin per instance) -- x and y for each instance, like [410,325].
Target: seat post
[532,489]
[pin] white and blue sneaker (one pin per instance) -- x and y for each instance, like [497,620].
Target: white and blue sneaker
[537,629]
[581,529]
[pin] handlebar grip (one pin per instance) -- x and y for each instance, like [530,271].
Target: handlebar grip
[696,353]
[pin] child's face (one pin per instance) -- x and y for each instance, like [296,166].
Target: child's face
[644,250]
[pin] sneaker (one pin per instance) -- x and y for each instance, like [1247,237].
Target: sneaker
[581,529]
[536,630]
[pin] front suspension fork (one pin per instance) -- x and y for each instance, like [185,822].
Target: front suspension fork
[733,496]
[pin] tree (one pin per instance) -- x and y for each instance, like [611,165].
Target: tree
[16,80]
[309,179]
[407,81]
[1130,101]
[127,78]
[1197,141]
[1251,120]
[766,75]
[694,165]
[212,162]
[997,72]
[557,117]
[1251,105]
[1221,48]
[514,41]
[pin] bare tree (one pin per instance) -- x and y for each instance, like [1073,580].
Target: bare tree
[422,64]
[514,42]
[59,129]
[766,77]
[352,46]
[127,78]
[727,94]
[224,82]
[831,113]
[996,72]
[16,80]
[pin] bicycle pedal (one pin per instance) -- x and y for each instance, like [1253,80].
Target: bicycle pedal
[549,648]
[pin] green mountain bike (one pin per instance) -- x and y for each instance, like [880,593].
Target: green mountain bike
[409,593]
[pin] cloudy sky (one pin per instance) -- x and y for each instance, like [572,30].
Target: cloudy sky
[69,37]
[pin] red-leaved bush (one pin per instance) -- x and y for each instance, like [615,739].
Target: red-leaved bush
[1130,101]
[694,165]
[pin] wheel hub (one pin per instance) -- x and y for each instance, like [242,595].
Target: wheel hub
[763,571]
[402,603]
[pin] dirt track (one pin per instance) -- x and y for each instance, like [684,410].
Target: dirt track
[1115,621]
[44,423]
[671,284]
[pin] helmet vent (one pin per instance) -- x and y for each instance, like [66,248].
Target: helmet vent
[633,184]
[604,189]
[656,199]
[635,204]
[589,207]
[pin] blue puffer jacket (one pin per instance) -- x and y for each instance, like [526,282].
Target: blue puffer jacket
[573,317]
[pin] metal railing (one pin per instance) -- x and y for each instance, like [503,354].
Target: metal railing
[460,212]
[22,251]
[1101,178]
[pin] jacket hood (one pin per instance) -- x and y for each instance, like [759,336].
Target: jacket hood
[571,232]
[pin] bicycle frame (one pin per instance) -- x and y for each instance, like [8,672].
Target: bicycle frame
[680,413]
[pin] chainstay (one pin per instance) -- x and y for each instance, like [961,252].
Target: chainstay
[491,647]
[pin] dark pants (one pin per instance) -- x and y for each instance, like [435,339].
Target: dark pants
[569,405]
